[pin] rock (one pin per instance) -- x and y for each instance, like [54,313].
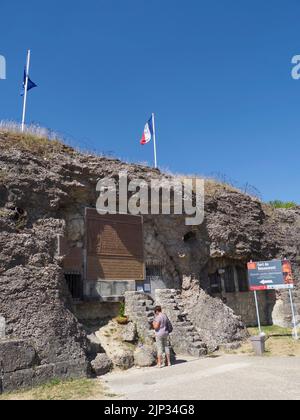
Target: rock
[123,359]
[2,327]
[215,322]
[129,333]
[101,365]
[145,356]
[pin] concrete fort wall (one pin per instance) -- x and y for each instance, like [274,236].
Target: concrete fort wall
[20,366]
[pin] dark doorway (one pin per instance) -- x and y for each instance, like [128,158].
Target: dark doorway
[75,285]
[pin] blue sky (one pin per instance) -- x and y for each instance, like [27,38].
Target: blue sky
[216,73]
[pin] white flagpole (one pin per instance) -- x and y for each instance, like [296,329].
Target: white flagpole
[154,141]
[295,332]
[25,91]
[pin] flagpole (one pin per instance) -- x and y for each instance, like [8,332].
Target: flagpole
[154,141]
[25,91]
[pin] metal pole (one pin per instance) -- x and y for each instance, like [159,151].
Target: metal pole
[154,141]
[25,91]
[257,312]
[294,315]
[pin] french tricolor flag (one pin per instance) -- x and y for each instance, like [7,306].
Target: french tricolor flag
[148,132]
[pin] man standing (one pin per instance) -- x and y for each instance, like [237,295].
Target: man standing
[162,327]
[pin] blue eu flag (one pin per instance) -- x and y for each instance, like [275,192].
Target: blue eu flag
[31,84]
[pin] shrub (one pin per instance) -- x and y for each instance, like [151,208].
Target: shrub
[122,310]
[278,204]
[122,319]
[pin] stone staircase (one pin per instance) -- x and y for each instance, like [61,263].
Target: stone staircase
[139,307]
[184,338]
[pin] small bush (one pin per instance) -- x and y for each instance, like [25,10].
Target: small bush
[122,319]
[278,204]
[122,310]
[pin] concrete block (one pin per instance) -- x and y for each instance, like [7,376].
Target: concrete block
[43,374]
[66,370]
[17,380]
[16,355]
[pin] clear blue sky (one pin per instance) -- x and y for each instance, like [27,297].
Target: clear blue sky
[216,73]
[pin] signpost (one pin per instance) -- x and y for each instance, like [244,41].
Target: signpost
[272,275]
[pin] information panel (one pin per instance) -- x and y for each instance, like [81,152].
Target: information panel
[115,247]
[270,275]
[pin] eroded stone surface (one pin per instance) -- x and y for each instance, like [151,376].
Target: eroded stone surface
[129,333]
[2,327]
[101,365]
[145,356]
[16,355]
[215,322]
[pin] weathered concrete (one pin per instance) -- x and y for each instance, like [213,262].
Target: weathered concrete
[16,355]
[44,190]
[2,328]
[215,322]
[145,356]
[243,305]
[101,365]
[123,359]
[129,333]
[20,367]
[93,310]
[119,352]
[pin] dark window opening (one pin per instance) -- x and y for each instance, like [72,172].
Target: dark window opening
[215,283]
[190,237]
[243,279]
[229,280]
[75,285]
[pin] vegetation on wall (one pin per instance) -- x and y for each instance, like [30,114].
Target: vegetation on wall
[278,204]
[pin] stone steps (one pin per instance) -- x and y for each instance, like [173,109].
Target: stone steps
[185,336]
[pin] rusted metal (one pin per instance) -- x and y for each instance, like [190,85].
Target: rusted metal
[115,247]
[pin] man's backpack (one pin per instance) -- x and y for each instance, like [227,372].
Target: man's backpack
[169,326]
